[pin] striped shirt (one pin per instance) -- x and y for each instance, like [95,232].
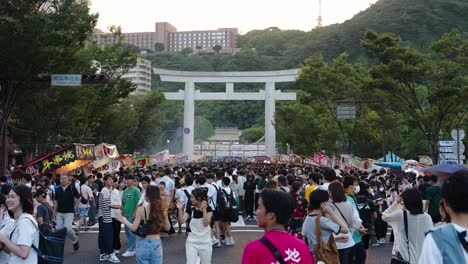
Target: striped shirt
[104,205]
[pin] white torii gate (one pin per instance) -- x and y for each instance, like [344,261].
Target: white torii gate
[189,95]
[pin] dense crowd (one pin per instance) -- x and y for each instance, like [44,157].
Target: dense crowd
[310,214]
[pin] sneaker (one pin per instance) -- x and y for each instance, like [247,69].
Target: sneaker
[382,241]
[375,244]
[116,251]
[214,240]
[128,254]
[229,241]
[113,258]
[223,241]
[103,257]
[217,244]
[76,246]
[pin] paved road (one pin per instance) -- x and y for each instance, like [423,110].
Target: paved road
[174,248]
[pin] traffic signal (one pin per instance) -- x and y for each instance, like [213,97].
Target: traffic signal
[94,79]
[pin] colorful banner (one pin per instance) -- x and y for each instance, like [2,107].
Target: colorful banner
[159,157]
[127,160]
[109,167]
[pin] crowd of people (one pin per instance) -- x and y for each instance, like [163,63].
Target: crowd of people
[310,214]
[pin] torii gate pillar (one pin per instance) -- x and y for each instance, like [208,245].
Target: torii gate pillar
[189,95]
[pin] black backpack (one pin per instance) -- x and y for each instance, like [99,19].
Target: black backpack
[226,206]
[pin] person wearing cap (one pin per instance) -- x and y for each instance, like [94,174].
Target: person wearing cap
[283,185]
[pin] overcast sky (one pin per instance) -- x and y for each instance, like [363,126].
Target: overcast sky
[140,15]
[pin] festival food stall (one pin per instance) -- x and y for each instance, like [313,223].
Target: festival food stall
[62,160]
[69,159]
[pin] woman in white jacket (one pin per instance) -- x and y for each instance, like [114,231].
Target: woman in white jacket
[418,224]
[347,212]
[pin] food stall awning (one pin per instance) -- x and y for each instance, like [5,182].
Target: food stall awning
[72,156]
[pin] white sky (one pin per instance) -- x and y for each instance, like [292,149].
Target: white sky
[140,15]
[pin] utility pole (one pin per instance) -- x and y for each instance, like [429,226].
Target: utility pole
[381,102]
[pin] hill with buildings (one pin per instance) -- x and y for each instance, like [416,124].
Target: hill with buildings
[417,22]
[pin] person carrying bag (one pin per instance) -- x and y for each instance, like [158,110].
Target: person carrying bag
[326,252]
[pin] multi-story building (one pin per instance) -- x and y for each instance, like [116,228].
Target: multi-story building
[200,41]
[141,76]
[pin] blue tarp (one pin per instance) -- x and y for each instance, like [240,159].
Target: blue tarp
[392,157]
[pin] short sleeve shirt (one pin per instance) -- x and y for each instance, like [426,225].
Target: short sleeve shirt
[45,211]
[292,249]
[327,228]
[86,193]
[66,199]
[130,199]
[26,234]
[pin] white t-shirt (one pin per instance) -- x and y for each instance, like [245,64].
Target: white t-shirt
[26,233]
[212,195]
[180,194]
[240,184]
[430,253]
[228,191]
[86,193]
[170,185]
[6,227]
[116,199]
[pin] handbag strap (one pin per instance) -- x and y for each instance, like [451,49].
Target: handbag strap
[144,215]
[317,229]
[405,220]
[273,250]
[344,218]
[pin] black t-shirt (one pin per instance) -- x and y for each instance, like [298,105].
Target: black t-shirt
[66,199]
[99,184]
[197,214]
[422,189]
[366,209]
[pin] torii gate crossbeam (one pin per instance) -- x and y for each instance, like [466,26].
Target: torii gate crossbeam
[189,95]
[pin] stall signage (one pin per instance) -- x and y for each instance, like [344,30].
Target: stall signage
[85,152]
[52,162]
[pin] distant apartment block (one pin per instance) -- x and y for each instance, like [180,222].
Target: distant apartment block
[200,41]
[141,76]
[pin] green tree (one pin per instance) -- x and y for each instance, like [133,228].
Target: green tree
[252,134]
[325,84]
[430,89]
[84,114]
[203,129]
[217,48]
[37,38]
[158,47]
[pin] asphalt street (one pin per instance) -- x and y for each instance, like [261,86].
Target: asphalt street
[174,248]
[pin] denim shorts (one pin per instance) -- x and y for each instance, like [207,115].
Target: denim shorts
[149,251]
[83,212]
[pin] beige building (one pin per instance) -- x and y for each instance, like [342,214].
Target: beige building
[200,41]
[141,76]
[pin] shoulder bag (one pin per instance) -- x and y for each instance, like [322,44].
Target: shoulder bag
[273,250]
[143,228]
[398,258]
[326,252]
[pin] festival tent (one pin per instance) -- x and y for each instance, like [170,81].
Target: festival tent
[392,157]
[445,169]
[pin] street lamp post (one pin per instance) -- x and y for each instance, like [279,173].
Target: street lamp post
[168,142]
